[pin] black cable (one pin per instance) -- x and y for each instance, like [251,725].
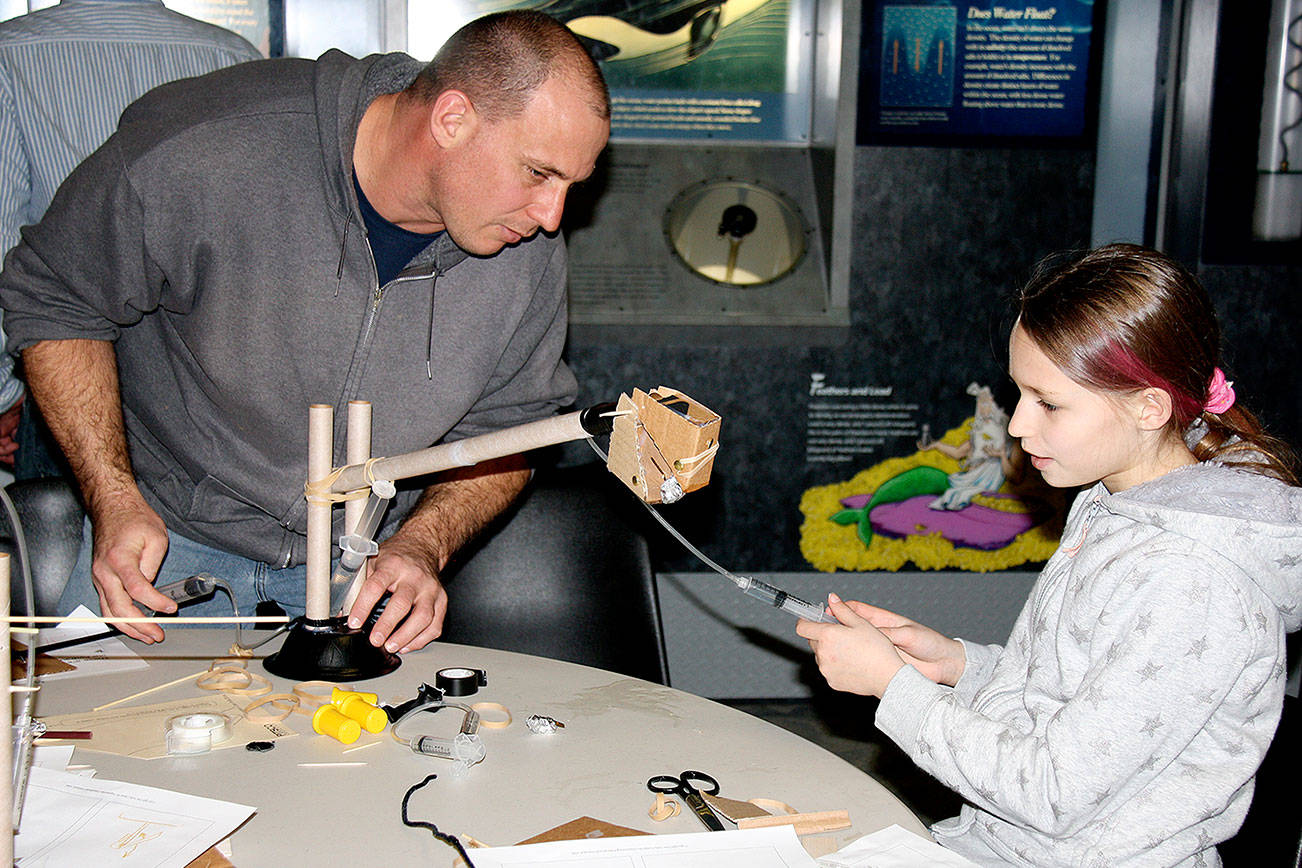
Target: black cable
[450,840]
[1288,38]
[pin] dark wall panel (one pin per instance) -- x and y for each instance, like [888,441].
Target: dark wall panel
[941,237]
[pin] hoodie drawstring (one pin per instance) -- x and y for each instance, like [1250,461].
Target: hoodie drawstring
[343,249]
[429,345]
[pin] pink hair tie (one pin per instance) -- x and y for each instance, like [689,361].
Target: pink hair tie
[1220,394]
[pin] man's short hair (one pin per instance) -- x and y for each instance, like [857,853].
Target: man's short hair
[501,60]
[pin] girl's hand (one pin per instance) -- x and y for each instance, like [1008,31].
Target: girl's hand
[935,655]
[853,655]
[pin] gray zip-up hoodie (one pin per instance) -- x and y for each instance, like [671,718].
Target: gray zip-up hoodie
[1125,718]
[217,240]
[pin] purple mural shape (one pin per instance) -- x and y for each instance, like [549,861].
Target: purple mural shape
[974,526]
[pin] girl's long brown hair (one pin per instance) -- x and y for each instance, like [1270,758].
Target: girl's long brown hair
[1123,318]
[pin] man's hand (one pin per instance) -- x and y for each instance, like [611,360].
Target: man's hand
[129,544]
[8,428]
[410,562]
[413,616]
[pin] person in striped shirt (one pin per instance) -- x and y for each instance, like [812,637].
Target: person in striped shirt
[66,74]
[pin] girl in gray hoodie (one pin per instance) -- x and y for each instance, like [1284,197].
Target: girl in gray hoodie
[1123,721]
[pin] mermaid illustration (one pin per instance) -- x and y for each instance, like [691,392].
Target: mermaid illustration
[926,500]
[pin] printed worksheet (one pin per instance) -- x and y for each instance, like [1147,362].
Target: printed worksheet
[894,847]
[774,847]
[71,820]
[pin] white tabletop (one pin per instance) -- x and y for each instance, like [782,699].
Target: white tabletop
[619,732]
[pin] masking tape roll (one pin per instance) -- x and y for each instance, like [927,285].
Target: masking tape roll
[196,733]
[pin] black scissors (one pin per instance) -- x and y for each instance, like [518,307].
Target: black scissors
[683,786]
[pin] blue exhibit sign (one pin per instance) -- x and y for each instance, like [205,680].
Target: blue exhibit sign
[980,69]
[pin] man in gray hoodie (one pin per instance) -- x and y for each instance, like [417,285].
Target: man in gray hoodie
[290,232]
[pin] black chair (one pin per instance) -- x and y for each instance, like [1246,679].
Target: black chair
[1271,836]
[52,518]
[566,575]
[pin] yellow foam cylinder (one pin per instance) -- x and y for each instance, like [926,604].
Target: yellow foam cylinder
[371,717]
[328,720]
[339,694]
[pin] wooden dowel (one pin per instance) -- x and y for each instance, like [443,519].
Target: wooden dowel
[148,619]
[150,690]
[805,824]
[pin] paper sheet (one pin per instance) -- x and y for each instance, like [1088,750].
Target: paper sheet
[93,658]
[71,820]
[753,848]
[894,847]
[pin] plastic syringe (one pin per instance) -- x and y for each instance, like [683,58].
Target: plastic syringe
[359,545]
[780,599]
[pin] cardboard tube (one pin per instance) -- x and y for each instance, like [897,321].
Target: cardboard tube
[359,450]
[463,453]
[320,449]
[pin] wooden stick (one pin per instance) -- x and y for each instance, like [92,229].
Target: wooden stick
[806,824]
[150,690]
[147,619]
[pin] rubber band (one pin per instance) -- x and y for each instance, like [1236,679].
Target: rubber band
[664,808]
[318,491]
[272,700]
[220,679]
[700,456]
[304,691]
[492,706]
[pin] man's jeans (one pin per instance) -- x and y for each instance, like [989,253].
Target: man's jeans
[250,581]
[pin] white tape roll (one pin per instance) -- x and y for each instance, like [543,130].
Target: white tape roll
[196,733]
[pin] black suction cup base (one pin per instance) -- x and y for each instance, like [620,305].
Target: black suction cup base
[328,651]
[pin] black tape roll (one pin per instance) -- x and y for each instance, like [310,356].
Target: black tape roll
[460,681]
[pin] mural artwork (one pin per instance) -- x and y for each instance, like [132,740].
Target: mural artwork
[964,501]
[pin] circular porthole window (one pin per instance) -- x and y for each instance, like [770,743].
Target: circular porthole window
[737,233]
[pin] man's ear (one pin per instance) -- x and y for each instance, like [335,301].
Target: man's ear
[1155,408]
[452,119]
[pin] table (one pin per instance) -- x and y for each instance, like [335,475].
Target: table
[619,732]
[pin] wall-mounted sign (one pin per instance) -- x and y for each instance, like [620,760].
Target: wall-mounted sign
[977,70]
[259,21]
[735,70]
